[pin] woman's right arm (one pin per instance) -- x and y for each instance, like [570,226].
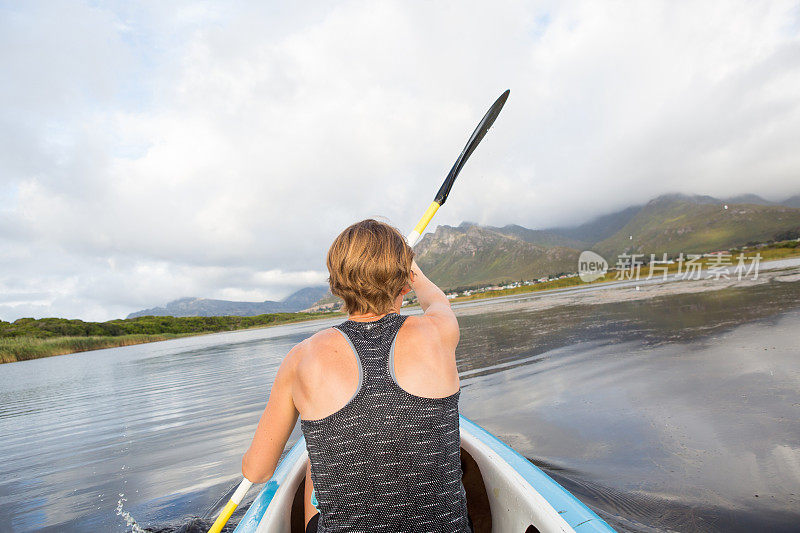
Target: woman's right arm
[435,305]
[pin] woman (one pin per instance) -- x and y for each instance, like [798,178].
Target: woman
[377,396]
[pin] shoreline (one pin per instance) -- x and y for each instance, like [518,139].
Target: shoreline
[66,345]
[770,257]
[604,293]
[567,291]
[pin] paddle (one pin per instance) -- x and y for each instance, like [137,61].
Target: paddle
[231,506]
[475,139]
[441,196]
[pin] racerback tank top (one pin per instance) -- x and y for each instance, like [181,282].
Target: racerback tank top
[388,461]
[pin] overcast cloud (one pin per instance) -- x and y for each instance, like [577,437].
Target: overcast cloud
[162,150]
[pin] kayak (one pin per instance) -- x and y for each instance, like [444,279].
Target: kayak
[505,493]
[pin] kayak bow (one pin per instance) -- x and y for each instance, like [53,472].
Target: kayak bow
[506,493]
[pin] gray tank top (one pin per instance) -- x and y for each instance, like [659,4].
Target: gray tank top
[388,461]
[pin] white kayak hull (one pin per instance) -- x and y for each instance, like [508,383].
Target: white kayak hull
[506,492]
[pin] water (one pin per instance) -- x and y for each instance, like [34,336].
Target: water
[676,413]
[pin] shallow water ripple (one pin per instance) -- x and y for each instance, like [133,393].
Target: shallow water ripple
[675,413]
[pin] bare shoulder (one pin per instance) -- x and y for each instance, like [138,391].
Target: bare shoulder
[439,322]
[326,376]
[422,326]
[425,361]
[312,354]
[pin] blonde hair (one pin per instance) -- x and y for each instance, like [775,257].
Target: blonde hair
[369,264]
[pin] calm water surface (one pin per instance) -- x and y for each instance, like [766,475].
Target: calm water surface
[678,413]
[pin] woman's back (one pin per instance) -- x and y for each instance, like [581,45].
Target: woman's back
[377,397]
[387,460]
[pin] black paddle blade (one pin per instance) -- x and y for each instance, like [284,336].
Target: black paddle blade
[475,139]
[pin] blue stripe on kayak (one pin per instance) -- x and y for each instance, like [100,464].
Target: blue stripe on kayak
[252,517]
[571,509]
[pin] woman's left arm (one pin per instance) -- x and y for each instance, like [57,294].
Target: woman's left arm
[275,425]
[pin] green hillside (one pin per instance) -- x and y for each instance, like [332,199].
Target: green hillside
[546,238]
[598,228]
[29,338]
[478,255]
[677,224]
[472,255]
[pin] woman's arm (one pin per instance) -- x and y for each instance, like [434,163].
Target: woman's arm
[275,425]
[435,305]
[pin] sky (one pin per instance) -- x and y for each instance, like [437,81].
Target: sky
[156,150]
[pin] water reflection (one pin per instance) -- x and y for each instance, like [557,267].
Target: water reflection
[674,413]
[679,413]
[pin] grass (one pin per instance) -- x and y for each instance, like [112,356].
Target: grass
[23,348]
[544,286]
[769,254]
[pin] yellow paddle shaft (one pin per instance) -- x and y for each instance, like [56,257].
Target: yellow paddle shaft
[231,506]
[422,224]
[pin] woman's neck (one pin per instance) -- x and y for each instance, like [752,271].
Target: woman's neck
[367,317]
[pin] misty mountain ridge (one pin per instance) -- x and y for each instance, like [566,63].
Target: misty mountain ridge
[297,301]
[604,226]
[470,254]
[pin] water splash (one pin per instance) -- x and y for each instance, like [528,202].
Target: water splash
[129,520]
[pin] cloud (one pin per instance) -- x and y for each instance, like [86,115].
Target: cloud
[199,145]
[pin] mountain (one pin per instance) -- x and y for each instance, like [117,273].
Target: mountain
[472,254]
[792,201]
[297,301]
[679,223]
[305,298]
[599,228]
[540,237]
[747,199]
